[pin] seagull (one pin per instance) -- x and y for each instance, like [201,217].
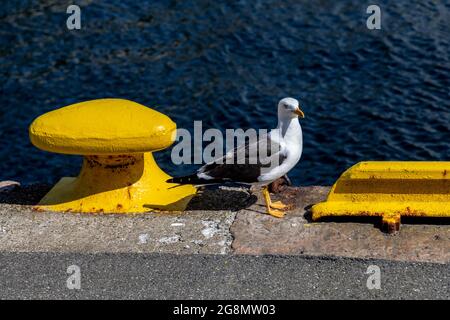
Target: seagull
[282,146]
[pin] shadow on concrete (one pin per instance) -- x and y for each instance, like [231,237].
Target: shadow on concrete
[216,198]
[24,194]
[210,198]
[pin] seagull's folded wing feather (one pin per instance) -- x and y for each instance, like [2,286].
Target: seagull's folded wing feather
[246,162]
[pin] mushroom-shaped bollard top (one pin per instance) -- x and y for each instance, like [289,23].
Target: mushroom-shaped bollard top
[119,175]
[105,126]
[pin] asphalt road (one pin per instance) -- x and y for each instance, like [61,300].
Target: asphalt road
[167,276]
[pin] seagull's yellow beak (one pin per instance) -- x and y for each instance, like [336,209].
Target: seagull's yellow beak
[299,112]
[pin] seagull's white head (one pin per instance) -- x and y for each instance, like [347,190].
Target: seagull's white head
[289,108]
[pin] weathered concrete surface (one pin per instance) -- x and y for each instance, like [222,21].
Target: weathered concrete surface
[25,230]
[205,229]
[187,256]
[255,233]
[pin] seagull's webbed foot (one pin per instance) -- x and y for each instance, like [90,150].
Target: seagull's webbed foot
[272,208]
[275,213]
[279,205]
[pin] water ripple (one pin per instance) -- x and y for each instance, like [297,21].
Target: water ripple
[368,95]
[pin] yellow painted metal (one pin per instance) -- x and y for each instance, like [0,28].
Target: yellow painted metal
[390,189]
[119,173]
[104,126]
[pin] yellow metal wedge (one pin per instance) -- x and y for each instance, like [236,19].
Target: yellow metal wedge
[390,189]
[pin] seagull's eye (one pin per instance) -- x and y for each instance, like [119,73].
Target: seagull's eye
[286,106]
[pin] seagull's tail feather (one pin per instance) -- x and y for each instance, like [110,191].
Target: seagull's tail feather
[193,179]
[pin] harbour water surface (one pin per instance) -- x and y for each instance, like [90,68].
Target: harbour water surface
[367,94]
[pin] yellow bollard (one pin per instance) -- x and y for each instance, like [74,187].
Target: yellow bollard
[119,175]
[390,189]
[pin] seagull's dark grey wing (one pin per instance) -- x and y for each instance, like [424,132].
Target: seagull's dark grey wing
[244,163]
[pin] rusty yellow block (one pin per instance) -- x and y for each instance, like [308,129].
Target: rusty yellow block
[390,189]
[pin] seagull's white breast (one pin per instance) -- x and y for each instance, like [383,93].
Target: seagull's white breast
[291,146]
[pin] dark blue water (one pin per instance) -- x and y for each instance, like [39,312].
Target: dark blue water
[368,95]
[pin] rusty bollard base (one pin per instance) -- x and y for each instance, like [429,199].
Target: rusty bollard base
[119,174]
[390,189]
[117,184]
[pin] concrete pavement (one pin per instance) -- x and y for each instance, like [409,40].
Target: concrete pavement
[218,221]
[223,247]
[170,276]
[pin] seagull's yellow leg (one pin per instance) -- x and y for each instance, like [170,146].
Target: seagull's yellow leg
[272,211]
